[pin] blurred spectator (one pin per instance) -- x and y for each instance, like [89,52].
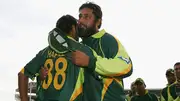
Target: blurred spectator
[142,93]
[170,79]
[174,89]
[132,91]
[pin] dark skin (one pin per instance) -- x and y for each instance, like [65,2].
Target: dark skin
[140,88]
[171,78]
[23,83]
[23,86]
[133,89]
[86,19]
[80,58]
[44,71]
[177,74]
[23,80]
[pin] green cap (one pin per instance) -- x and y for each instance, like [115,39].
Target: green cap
[139,80]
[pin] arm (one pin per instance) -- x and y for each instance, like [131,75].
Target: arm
[29,71]
[113,67]
[120,65]
[117,61]
[114,60]
[23,86]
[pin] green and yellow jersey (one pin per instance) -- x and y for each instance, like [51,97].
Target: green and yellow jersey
[112,65]
[172,96]
[64,81]
[147,97]
[108,65]
[164,93]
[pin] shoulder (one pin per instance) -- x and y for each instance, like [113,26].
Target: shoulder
[41,52]
[164,89]
[172,86]
[108,37]
[154,96]
[134,98]
[108,40]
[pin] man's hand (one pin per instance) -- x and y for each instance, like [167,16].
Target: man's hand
[80,58]
[43,73]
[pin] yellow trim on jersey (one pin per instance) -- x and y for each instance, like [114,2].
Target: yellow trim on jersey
[119,82]
[79,85]
[99,34]
[22,71]
[76,93]
[107,82]
[124,71]
[170,98]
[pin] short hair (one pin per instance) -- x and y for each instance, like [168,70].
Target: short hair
[96,10]
[169,72]
[65,23]
[177,63]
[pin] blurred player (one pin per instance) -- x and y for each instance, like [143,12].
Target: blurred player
[170,79]
[142,93]
[64,80]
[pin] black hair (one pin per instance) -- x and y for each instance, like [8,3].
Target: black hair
[177,63]
[169,72]
[96,10]
[65,23]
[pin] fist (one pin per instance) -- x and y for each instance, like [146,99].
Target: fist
[80,58]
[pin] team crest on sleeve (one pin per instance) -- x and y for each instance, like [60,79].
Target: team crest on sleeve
[125,59]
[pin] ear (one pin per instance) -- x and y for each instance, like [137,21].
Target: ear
[98,22]
[144,85]
[72,31]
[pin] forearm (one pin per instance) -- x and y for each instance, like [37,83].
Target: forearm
[113,67]
[23,86]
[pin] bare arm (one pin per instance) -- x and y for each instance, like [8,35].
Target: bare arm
[23,86]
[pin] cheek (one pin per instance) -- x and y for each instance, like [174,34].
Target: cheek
[90,23]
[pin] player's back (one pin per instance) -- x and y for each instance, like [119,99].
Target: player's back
[64,79]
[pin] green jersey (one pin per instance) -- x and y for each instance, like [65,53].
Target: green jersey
[164,93]
[64,80]
[106,69]
[172,93]
[147,97]
[112,65]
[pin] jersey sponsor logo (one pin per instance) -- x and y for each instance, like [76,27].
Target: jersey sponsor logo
[125,59]
[59,71]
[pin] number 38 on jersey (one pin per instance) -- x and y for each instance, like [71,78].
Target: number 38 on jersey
[60,65]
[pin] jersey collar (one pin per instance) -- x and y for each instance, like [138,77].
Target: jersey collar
[99,34]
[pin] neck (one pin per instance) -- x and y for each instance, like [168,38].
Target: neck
[143,92]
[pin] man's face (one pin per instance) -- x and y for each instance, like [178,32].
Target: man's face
[87,24]
[140,87]
[177,71]
[170,78]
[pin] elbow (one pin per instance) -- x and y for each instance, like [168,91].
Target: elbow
[22,77]
[129,73]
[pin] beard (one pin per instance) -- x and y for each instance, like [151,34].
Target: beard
[85,32]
